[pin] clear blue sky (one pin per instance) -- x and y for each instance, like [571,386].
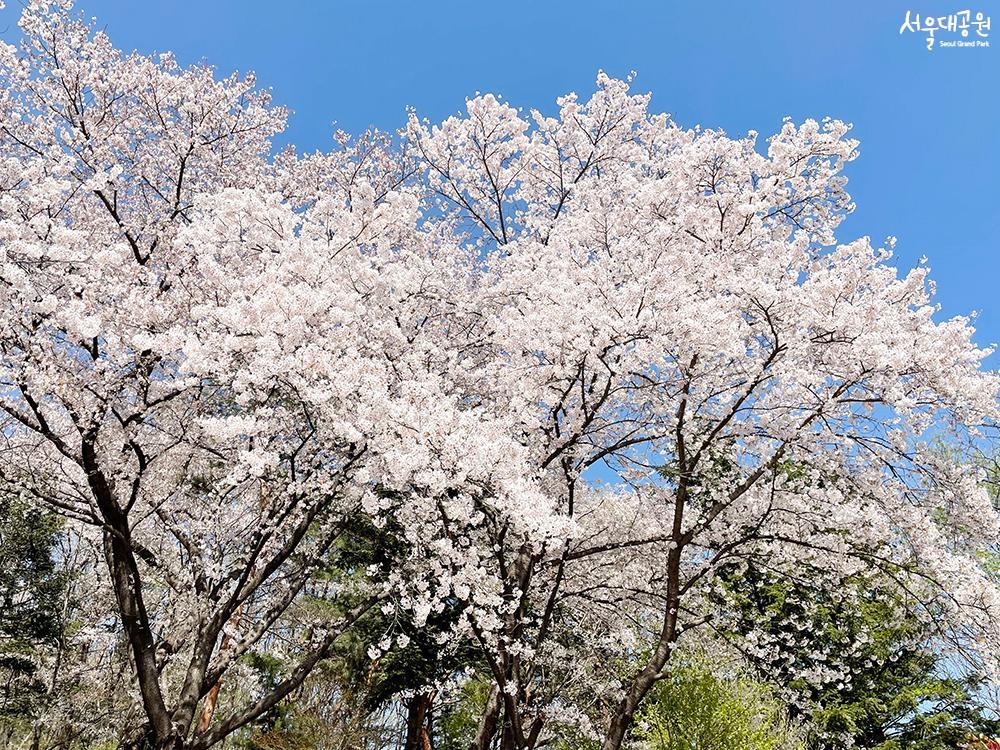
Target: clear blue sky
[929,122]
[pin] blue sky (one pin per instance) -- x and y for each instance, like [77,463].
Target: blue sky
[928,121]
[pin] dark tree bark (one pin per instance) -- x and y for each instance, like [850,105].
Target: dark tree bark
[418,722]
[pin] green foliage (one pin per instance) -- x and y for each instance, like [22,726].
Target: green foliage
[31,590]
[695,709]
[457,726]
[899,696]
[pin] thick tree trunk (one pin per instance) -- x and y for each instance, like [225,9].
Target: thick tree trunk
[418,717]
[127,583]
[145,738]
[508,740]
[171,742]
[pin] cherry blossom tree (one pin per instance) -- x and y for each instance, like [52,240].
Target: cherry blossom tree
[208,358]
[580,365]
[670,312]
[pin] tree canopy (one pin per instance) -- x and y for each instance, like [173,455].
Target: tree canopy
[571,374]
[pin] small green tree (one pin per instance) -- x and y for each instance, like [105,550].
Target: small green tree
[695,709]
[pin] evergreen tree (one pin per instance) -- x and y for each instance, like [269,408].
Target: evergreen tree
[902,693]
[31,589]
